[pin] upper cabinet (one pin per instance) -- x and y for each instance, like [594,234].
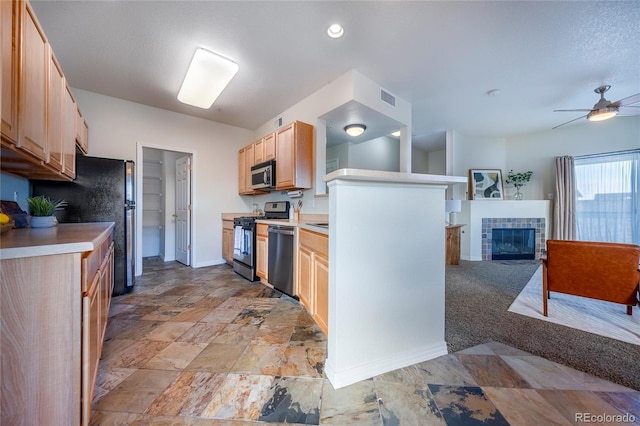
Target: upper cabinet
[9,28]
[37,121]
[294,156]
[291,147]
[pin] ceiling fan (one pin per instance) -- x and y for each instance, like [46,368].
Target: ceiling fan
[603,109]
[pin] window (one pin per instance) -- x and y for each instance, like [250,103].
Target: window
[607,201]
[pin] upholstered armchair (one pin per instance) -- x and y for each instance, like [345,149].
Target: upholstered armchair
[603,271]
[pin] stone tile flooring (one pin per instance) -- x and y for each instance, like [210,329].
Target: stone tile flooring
[206,347]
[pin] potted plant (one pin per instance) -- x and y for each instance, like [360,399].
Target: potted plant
[42,209]
[518,180]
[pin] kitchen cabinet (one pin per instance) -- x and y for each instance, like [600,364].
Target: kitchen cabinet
[262,251]
[294,156]
[227,241]
[34,115]
[55,108]
[56,289]
[246,160]
[34,65]
[82,133]
[258,151]
[313,275]
[9,28]
[69,140]
[269,146]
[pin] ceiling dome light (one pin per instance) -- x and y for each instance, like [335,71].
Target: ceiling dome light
[355,129]
[335,31]
[602,114]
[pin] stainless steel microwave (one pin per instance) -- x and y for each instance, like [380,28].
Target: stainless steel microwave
[263,175]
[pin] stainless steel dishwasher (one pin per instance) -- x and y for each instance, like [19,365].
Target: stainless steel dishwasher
[281,239]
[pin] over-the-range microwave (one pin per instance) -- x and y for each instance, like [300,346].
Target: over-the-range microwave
[263,175]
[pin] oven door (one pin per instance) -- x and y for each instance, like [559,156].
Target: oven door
[243,244]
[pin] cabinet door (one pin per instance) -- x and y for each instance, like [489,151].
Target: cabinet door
[81,133]
[91,318]
[69,135]
[262,260]
[9,19]
[242,177]
[55,113]
[34,57]
[305,278]
[249,159]
[269,148]
[321,291]
[227,244]
[258,152]
[285,164]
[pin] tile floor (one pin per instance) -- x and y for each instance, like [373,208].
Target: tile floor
[206,347]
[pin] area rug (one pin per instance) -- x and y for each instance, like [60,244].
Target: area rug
[594,316]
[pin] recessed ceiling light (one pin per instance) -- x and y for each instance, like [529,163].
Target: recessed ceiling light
[335,31]
[206,78]
[355,129]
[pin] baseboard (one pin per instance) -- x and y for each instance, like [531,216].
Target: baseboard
[208,263]
[360,372]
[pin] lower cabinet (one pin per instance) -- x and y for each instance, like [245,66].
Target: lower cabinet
[313,275]
[262,251]
[227,241]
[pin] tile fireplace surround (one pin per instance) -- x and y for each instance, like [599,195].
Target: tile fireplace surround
[488,224]
[480,216]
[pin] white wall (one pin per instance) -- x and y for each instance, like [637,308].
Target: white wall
[536,151]
[116,127]
[438,162]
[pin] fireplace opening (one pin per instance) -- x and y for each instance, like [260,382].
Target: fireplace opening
[513,243]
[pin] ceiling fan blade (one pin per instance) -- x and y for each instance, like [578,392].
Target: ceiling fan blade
[570,121]
[571,110]
[630,100]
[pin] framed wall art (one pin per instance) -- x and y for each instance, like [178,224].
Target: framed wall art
[485,184]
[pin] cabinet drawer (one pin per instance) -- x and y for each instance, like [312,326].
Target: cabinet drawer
[262,230]
[91,263]
[227,224]
[315,242]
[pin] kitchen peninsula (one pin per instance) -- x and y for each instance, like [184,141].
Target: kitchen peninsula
[56,286]
[386,275]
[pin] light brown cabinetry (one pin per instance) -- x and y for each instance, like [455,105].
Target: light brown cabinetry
[262,251]
[53,314]
[313,275]
[34,111]
[9,27]
[82,133]
[294,156]
[69,138]
[227,241]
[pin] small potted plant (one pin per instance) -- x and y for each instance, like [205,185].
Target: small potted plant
[42,209]
[518,180]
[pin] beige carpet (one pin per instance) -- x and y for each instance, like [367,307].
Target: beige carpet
[594,316]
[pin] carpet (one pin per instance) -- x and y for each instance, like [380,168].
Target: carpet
[594,316]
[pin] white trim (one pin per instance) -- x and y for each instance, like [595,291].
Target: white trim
[139,168]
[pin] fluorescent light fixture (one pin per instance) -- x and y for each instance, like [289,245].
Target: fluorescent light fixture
[602,114]
[355,129]
[396,134]
[335,31]
[206,78]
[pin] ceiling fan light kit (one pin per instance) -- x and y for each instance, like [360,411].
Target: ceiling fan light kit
[206,78]
[355,129]
[603,109]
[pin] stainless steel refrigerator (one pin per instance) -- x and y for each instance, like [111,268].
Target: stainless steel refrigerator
[103,191]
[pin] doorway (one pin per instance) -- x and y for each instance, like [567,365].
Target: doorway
[158,194]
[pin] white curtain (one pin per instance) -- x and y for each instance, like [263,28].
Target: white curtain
[607,201]
[564,219]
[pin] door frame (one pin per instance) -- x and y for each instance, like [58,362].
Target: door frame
[139,197]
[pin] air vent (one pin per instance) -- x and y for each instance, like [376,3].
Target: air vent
[387,98]
[278,123]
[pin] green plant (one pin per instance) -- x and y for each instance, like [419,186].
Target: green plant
[43,206]
[518,179]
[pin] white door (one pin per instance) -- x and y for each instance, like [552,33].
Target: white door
[183,210]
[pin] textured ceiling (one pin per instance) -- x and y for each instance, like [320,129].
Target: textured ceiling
[442,57]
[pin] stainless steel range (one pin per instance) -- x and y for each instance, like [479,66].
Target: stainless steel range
[244,244]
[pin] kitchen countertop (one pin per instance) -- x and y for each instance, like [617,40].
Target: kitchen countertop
[301,224]
[61,239]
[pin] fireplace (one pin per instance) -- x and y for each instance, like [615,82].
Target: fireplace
[513,243]
[534,242]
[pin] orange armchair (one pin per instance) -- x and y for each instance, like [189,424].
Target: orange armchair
[603,271]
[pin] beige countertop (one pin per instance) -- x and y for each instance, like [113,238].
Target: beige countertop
[303,222]
[61,239]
